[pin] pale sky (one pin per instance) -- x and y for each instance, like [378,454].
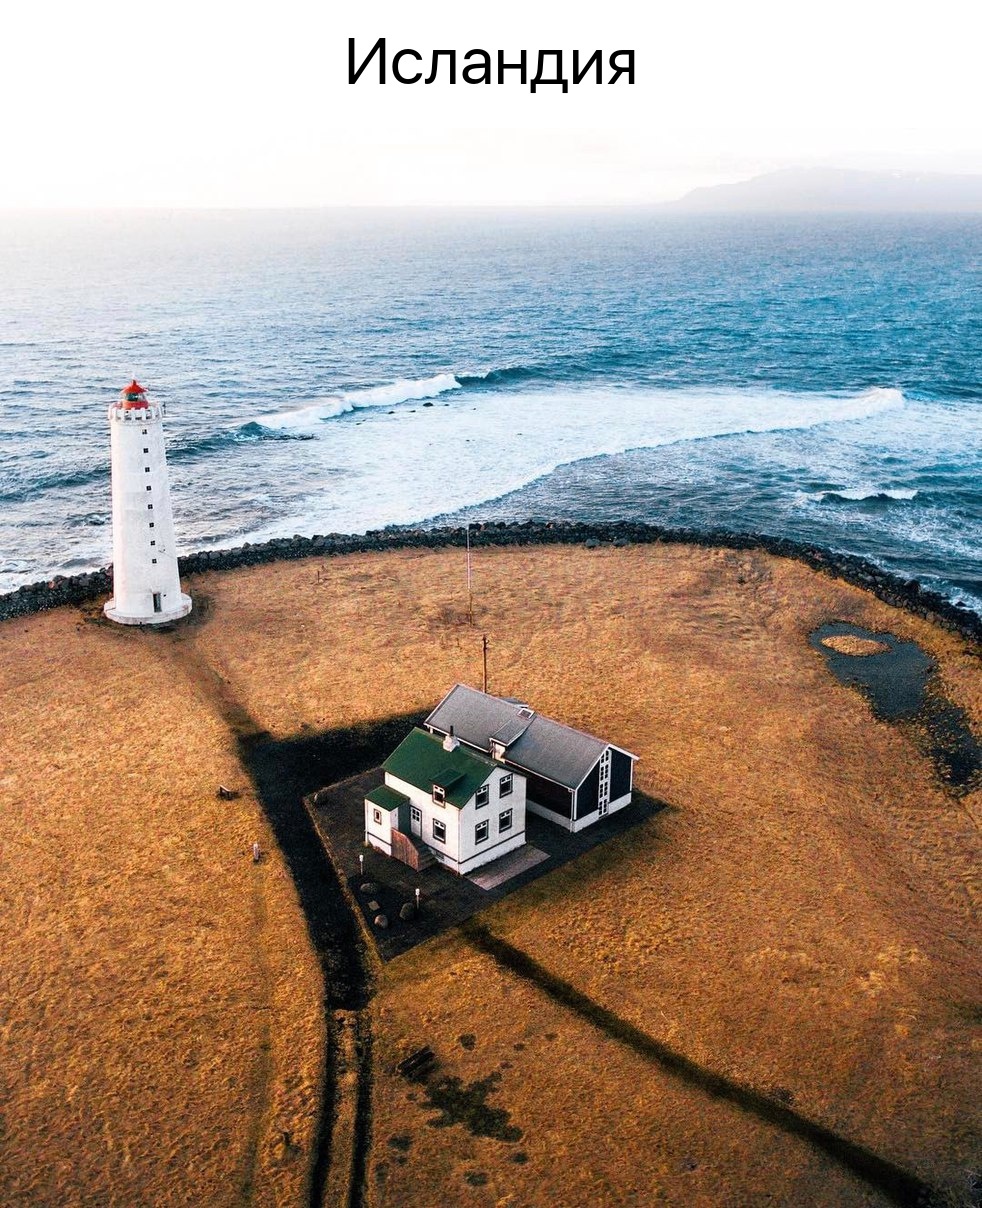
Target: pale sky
[207,102]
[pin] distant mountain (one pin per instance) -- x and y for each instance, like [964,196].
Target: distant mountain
[837,189]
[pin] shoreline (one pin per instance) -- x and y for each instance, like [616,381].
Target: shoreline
[907,594]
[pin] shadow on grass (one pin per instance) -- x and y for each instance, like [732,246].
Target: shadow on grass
[898,1185]
[283,771]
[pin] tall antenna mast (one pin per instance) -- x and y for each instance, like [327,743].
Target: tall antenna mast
[470,592]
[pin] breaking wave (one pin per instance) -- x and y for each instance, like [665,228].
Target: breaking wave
[309,415]
[862,494]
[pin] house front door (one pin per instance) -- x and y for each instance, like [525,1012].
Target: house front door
[416,821]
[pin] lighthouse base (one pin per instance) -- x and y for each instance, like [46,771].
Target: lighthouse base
[150,618]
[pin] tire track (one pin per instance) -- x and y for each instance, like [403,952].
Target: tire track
[281,774]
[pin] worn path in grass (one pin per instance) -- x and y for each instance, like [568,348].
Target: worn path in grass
[800,922]
[281,778]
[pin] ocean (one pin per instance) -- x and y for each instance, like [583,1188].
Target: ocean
[818,378]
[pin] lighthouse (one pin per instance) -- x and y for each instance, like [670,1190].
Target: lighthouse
[146,585]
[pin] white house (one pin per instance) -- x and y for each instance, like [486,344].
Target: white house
[573,778]
[441,801]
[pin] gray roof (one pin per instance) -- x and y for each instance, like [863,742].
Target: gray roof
[535,743]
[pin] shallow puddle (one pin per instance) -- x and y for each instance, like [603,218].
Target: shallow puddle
[900,682]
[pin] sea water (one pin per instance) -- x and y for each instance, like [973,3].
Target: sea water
[818,377]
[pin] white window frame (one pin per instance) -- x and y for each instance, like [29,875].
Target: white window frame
[377,815]
[485,792]
[502,824]
[439,795]
[439,826]
[506,785]
[482,826]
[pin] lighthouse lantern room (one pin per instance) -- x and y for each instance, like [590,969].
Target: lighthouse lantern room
[146,585]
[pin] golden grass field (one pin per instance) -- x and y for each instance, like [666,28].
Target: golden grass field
[801,920]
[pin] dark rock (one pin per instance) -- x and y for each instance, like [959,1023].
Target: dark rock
[407,911]
[381,921]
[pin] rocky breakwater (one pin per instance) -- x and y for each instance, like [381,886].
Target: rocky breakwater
[903,593]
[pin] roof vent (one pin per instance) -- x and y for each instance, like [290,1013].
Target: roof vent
[450,743]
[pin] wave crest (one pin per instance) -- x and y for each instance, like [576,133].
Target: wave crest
[310,415]
[862,494]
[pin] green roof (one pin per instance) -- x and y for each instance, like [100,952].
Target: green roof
[421,761]
[386,798]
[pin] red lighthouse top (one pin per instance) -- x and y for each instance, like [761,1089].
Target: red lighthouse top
[133,396]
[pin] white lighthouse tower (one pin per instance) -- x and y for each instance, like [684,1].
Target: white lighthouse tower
[146,586]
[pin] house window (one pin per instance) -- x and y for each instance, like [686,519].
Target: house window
[481,831]
[504,786]
[483,794]
[439,795]
[377,815]
[504,821]
[439,831]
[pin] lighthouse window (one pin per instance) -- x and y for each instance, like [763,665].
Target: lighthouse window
[153,542]
[146,469]
[149,488]
[151,524]
[158,604]
[143,433]
[149,505]
[154,561]
[146,450]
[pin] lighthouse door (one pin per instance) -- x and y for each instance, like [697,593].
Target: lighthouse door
[158,604]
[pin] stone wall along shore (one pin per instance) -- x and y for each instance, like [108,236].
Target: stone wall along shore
[902,593]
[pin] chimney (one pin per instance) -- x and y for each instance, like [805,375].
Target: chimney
[450,743]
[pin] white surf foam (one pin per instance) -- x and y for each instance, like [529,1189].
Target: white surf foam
[858,494]
[408,467]
[309,416]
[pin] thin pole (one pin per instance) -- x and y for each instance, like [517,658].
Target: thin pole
[484,643]
[470,593]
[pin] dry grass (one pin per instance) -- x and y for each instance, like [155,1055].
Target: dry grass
[801,920]
[160,1023]
[848,643]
